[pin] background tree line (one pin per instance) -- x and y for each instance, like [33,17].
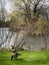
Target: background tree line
[30,16]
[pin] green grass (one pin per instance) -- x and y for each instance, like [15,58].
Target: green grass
[26,58]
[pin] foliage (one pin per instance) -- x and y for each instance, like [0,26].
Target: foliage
[43,26]
[26,13]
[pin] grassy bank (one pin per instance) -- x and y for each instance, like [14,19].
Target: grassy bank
[26,58]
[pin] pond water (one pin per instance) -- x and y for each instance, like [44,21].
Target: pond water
[7,37]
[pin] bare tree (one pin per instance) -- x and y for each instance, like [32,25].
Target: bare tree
[30,8]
